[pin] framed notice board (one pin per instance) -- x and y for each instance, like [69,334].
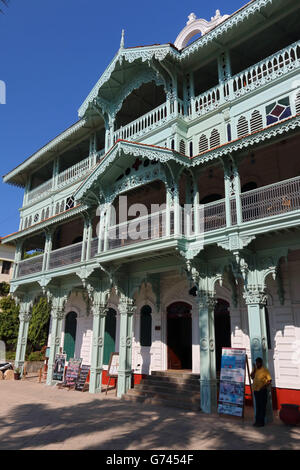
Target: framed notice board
[59,367]
[232,382]
[83,375]
[72,372]
[113,367]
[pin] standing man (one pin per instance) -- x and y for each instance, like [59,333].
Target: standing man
[261,380]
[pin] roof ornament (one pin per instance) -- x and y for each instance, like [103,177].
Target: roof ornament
[122,43]
[195,26]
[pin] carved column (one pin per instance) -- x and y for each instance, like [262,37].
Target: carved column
[208,382]
[48,248]
[86,238]
[58,301]
[99,311]
[18,257]
[177,211]
[24,316]
[256,300]
[232,193]
[127,309]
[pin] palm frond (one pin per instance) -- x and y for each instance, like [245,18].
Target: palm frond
[4,2]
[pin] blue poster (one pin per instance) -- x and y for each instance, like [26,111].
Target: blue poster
[232,382]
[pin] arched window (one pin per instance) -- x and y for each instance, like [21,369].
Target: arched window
[110,335]
[182,147]
[146,326]
[70,334]
[214,140]
[242,127]
[256,121]
[203,143]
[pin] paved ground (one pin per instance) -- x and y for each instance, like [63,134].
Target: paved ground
[34,416]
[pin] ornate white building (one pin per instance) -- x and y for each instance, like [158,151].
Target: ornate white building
[215,122]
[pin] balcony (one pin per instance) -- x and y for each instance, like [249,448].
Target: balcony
[67,177]
[250,80]
[269,201]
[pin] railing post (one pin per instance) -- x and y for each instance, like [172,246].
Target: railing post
[168,212]
[47,250]
[18,257]
[106,229]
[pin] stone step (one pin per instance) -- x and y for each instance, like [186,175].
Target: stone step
[175,373]
[188,383]
[147,385]
[163,399]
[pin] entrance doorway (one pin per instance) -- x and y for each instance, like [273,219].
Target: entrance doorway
[179,336]
[70,334]
[222,330]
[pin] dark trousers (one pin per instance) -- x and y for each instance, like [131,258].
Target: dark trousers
[261,405]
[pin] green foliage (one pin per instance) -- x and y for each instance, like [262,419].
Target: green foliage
[10,355]
[39,325]
[32,254]
[9,322]
[35,356]
[4,289]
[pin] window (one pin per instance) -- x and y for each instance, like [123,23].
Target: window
[203,143]
[214,139]
[146,326]
[6,265]
[110,335]
[242,127]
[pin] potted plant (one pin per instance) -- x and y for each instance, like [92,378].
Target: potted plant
[17,373]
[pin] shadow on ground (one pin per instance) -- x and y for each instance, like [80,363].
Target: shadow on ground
[115,425]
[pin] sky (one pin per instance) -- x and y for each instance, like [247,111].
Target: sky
[52,54]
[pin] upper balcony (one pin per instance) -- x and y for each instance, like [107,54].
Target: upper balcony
[65,178]
[255,79]
[263,209]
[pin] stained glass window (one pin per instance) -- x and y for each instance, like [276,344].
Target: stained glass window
[278,111]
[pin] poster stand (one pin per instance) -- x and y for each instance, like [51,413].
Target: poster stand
[113,369]
[232,382]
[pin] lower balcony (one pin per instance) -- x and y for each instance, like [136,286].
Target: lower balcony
[269,201]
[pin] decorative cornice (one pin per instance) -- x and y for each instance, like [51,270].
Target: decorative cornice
[129,148]
[47,223]
[145,54]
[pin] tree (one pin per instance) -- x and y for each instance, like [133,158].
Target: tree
[9,322]
[39,325]
[4,289]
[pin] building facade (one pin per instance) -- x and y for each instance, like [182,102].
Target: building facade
[7,257]
[197,144]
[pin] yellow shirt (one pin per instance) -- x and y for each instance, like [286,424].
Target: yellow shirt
[262,376]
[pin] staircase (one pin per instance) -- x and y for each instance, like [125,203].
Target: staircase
[178,389]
